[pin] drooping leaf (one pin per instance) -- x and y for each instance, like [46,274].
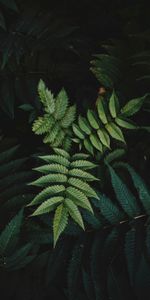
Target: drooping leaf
[101,110]
[74,212]
[115,131]
[125,123]
[133,106]
[92,119]
[114,105]
[84,125]
[47,205]
[59,222]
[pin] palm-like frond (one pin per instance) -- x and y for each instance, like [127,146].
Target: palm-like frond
[106,123]
[66,189]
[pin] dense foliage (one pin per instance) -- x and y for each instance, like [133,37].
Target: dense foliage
[74,150]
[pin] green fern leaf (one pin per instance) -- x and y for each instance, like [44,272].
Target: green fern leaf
[96,142]
[92,118]
[74,212]
[50,137]
[81,174]
[67,143]
[43,124]
[69,117]
[114,105]
[48,205]
[79,198]
[88,146]
[46,98]
[59,222]
[83,186]
[125,123]
[133,106]
[101,110]
[48,179]
[62,152]
[59,138]
[78,132]
[56,159]
[84,125]
[104,137]
[47,193]
[61,105]
[80,156]
[82,164]
[115,131]
[52,168]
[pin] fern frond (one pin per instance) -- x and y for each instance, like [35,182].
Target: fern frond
[74,212]
[57,121]
[46,97]
[50,178]
[69,117]
[67,143]
[56,159]
[80,156]
[52,134]
[46,193]
[61,105]
[62,152]
[59,138]
[79,198]
[72,193]
[82,174]
[43,124]
[83,186]
[47,205]
[60,221]
[52,168]
[83,164]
